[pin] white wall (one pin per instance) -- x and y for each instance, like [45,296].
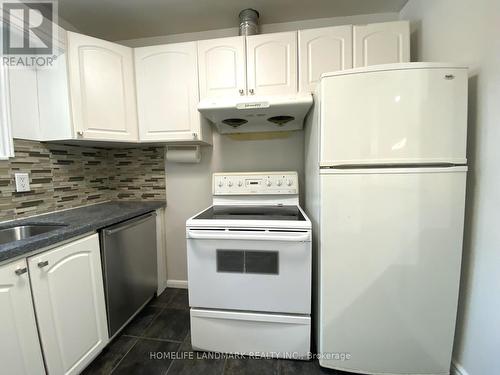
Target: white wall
[468,32]
[189,186]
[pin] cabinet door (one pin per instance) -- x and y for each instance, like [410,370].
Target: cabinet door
[6,145]
[69,301]
[21,98]
[167,92]
[23,94]
[272,63]
[381,43]
[221,65]
[101,77]
[323,50]
[53,101]
[20,351]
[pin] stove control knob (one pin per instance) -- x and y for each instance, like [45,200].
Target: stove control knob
[289,182]
[220,183]
[279,183]
[230,183]
[268,183]
[240,183]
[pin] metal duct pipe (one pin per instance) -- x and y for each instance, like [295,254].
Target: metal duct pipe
[249,22]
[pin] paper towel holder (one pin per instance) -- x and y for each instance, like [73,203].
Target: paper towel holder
[183,153]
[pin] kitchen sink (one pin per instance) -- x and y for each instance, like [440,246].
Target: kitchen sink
[21,232]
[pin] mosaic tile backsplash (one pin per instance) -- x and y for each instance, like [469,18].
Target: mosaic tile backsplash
[66,176]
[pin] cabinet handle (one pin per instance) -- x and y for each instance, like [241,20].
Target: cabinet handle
[252,92]
[21,271]
[242,92]
[195,135]
[79,133]
[43,264]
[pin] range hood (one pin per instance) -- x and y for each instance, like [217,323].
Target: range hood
[249,114]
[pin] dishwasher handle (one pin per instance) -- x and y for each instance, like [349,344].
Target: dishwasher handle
[129,223]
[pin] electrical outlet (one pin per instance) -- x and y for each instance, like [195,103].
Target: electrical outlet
[22,182]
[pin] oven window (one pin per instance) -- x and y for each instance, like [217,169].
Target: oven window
[248,261]
[230,261]
[261,262]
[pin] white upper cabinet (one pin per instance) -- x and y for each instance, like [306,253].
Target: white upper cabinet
[102,92]
[68,293]
[39,102]
[6,146]
[323,50]
[381,43]
[20,351]
[167,93]
[39,99]
[54,107]
[18,103]
[23,94]
[272,63]
[221,66]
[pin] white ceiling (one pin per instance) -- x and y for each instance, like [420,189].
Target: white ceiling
[129,19]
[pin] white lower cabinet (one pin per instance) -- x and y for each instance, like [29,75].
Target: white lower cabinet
[20,351]
[69,302]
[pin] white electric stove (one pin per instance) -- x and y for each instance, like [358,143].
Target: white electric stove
[249,268]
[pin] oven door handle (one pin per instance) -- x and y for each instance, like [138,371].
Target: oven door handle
[267,236]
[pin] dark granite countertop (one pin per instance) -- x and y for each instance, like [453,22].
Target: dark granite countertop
[77,221]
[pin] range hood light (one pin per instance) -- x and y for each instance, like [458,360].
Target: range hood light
[280,120]
[234,122]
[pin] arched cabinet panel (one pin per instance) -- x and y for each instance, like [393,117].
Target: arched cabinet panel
[221,66]
[323,50]
[381,43]
[272,63]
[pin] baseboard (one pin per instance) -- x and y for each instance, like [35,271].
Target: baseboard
[161,287]
[183,284]
[457,369]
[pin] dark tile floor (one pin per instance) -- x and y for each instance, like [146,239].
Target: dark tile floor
[163,326]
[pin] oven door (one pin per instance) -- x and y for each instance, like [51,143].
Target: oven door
[253,270]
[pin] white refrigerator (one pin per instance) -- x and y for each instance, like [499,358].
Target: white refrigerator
[385,190]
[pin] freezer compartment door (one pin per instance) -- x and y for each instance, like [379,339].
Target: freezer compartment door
[391,246]
[251,333]
[397,116]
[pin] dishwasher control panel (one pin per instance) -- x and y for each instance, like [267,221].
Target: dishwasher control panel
[255,183]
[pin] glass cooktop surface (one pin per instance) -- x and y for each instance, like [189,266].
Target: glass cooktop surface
[220,212]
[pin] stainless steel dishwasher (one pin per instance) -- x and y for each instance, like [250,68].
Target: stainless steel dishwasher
[129,264]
